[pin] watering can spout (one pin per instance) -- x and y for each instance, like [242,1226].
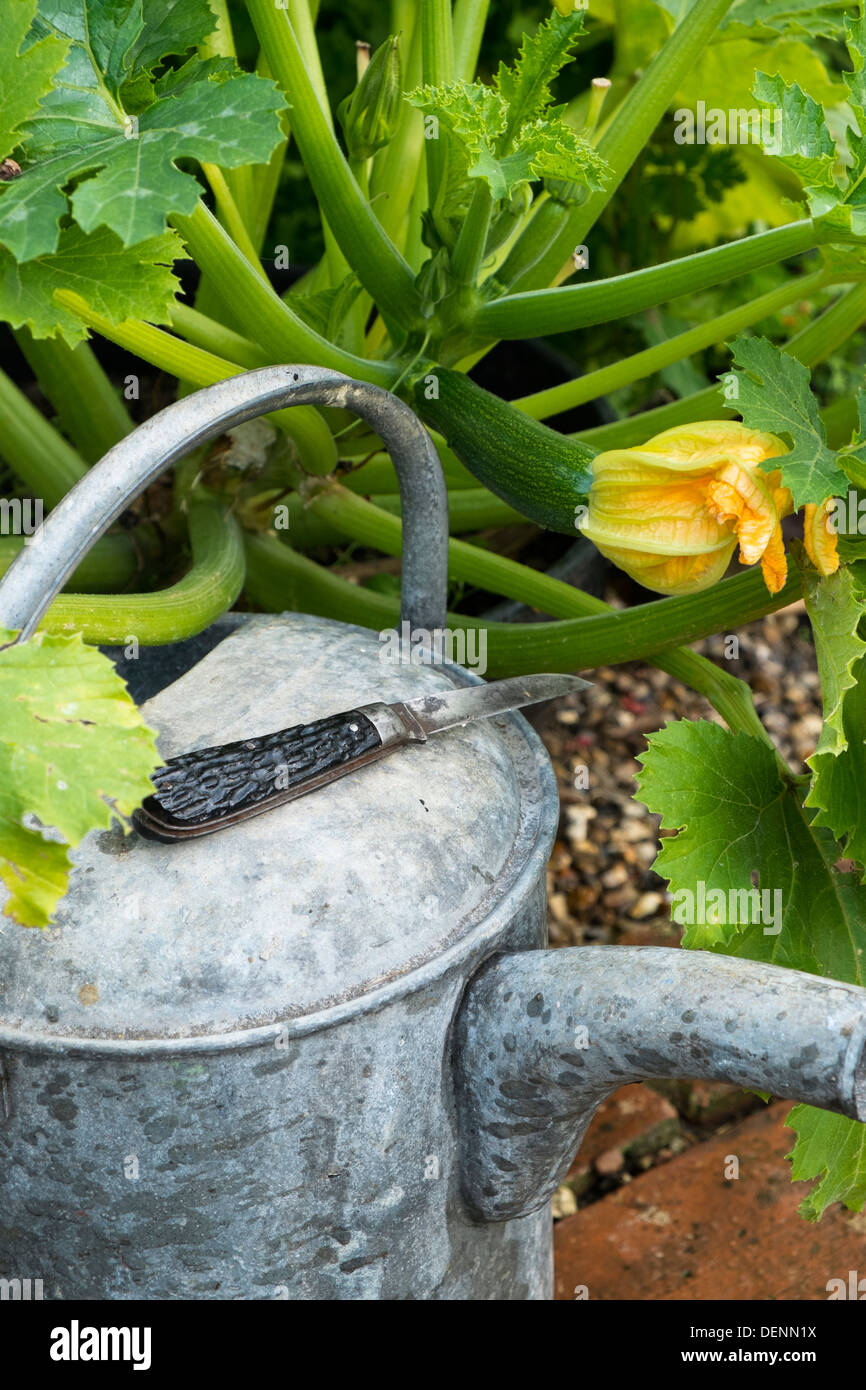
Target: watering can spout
[544,1036]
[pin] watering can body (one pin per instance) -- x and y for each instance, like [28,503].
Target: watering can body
[323,1054]
[228,1063]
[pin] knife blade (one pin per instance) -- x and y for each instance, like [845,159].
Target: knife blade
[208,789]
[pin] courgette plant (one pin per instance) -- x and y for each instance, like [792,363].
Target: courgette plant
[450,208]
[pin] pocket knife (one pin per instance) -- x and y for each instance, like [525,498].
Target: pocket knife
[211,788]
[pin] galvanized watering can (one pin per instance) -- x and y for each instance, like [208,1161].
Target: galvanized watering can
[324,1053]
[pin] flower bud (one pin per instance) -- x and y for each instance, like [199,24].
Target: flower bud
[671,512]
[370,114]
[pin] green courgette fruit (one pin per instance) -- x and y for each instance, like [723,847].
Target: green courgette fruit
[541,473]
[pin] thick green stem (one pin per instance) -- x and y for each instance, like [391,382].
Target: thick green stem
[302,423]
[543,404]
[266,318]
[437,58]
[629,130]
[230,215]
[540,312]
[212,336]
[470,17]
[377,262]
[38,455]
[87,404]
[278,578]
[397,167]
[107,567]
[468,252]
[812,344]
[210,587]
[610,636]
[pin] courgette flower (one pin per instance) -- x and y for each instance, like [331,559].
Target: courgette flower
[819,537]
[672,512]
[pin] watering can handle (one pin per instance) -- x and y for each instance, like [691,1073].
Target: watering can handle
[40,570]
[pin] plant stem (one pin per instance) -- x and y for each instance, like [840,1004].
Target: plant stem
[468,252]
[278,578]
[377,262]
[266,318]
[37,453]
[214,337]
[812,344]
[540,312]
[211,586]
[470,17]
[437,58]
[628,132]
[609,636]
[230,215]
[469,509]
[108,566]
[543,404]
[302,423]
[87,404]
[397,167]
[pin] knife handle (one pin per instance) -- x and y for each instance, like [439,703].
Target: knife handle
[211,788]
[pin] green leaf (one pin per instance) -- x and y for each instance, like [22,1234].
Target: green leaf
[115,164]
[834,606]
[25,77]
[774,394]
[836,790]
[118,282]
[508,134]
[739,825]
[327,310]
[526,86]
[742,827]
[803,141]
[832,1148]
[477,115]
[833,172]
[820,18]
[74,752]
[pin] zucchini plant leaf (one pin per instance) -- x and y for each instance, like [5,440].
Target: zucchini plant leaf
[525,87]
[743,833]
[835,607]
[508,134]
[119,282]
[831,1148]
[25,77]
[832,171]
[74,752]
[818,18]
[774,393]
[105,139]
[741,827]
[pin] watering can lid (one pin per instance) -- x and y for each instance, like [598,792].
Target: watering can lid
[361,889]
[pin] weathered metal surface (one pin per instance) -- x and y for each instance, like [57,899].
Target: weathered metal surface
[544,1037]
[228,1061]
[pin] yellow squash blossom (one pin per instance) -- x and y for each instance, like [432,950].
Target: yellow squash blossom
[672,512]
[820,538]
